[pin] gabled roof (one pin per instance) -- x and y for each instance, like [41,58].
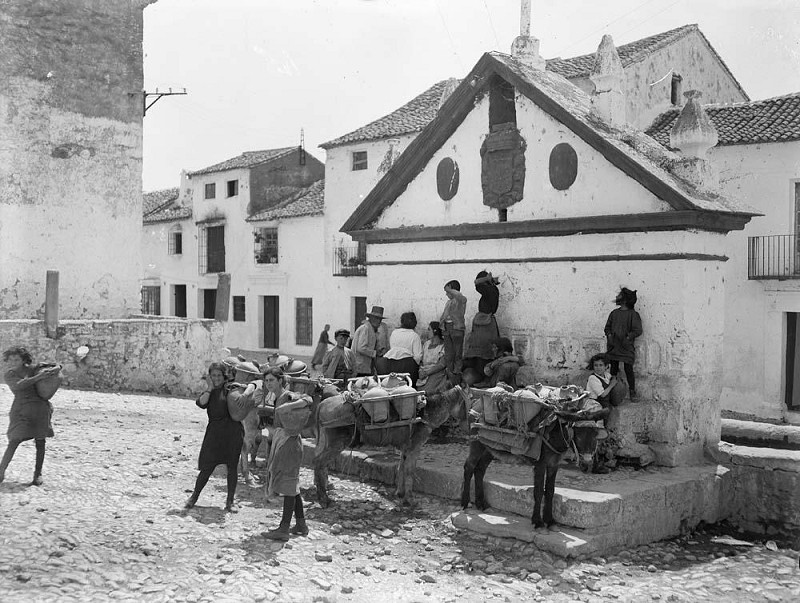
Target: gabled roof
[155,200]
[634,52]
[410,118]
[247,159]
[770,120]
[630,150]
[309,201]
[420,111]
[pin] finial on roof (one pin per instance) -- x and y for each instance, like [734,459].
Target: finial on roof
[694,134]
[449,86]
[608,77]
[525,47]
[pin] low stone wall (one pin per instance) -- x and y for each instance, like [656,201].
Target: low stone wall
[152,354]
[766,489]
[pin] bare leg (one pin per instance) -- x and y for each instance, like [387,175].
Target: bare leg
[9,454]
[37,472]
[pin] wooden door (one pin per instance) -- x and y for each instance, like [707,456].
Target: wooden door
[179,293]
[792,371]
[359,311]
[209,303]
[271,321]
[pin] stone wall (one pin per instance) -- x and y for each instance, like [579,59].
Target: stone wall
[71,157]
[157,355]
[766,489]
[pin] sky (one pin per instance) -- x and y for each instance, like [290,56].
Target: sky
[259,71]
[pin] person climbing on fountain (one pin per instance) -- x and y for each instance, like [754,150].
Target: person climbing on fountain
[478,350]
[623,326]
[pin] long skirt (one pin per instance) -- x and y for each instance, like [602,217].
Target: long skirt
[283,465]
[319,353]
[404,365]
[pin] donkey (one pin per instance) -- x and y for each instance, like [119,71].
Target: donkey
[409,440]
[557,437]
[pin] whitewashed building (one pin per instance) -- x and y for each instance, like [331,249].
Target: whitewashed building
[525,175]
[758,160]
[203,257]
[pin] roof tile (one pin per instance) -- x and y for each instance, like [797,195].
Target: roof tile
[245,160]
[156,200]
[770,120]
[308,202]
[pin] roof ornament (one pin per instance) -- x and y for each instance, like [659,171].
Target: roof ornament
[525,47]
[693,134]
[608,77]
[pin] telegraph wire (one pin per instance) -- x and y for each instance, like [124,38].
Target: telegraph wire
[491,23]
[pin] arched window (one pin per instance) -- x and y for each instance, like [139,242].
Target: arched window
[176,240]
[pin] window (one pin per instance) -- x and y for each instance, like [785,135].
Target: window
[238,308]
[359,160]
[175,240]
[266,245]
[211,252]
[792,362]
[303,321]
[233,188]
[211,191]
[675,89]
[151,300]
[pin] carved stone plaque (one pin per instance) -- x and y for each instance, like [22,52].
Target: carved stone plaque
[503,167]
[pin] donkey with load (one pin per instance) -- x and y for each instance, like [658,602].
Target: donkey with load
[534,426]
[392,414]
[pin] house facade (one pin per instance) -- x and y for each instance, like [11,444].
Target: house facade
[204,258]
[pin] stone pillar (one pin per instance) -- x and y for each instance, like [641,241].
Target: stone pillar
[525,47]
[694,134]
[71,157]
[608,77]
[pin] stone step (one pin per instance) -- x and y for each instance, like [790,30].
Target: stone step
[762,435]
[640,506]
[561,541]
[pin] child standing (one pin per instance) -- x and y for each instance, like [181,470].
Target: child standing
[623,326]
[453,326]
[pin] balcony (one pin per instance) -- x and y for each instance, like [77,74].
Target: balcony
[773,257]
[350,261]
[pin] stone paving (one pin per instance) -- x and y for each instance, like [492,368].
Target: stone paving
[108,524]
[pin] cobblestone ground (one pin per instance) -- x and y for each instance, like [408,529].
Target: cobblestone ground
[108,524]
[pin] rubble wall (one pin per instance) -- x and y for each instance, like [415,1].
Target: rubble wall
[71,158]
[155,355]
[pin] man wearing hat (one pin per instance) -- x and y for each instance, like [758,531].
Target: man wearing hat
[370,342]
[340,362]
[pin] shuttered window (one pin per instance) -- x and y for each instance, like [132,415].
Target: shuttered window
[303,321]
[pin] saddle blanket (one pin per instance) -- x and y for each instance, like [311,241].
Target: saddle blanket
[518,444]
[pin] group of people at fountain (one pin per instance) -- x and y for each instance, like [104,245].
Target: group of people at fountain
[486,360]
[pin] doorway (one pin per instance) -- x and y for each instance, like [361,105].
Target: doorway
[179,300]
[792,370]
[209,303]
[359,311]
[271,321]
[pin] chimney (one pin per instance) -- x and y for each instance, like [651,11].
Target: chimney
[693,135]
[608,77]
[449,87]
[525,48]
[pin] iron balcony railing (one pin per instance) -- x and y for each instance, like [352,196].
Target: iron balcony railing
[773,257]
[349,261]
